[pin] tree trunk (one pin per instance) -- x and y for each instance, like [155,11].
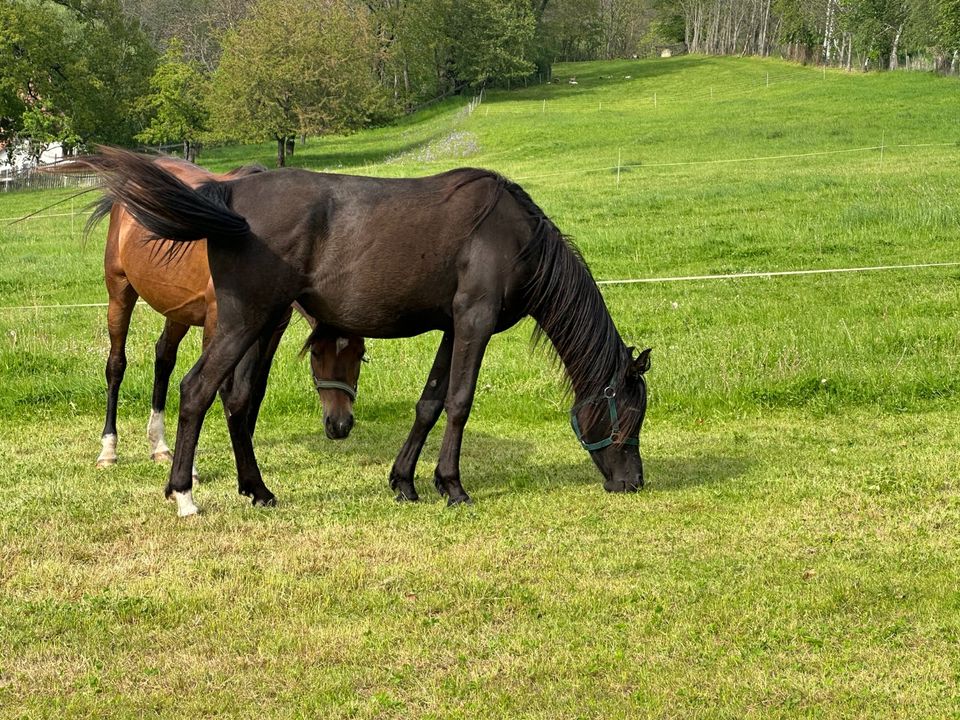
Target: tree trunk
[893,51]
[291,141]
[281,155]
[828,32]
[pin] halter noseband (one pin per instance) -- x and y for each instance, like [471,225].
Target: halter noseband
[335,385]
[609,393]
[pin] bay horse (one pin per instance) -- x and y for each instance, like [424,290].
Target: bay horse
[466,252]
[183,292]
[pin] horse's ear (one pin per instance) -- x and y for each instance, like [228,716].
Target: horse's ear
[642,363]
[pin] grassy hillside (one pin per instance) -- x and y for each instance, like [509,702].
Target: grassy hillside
[794,553]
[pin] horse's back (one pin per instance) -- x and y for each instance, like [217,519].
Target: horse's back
[385,257]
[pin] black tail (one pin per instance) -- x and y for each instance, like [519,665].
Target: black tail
[160,202]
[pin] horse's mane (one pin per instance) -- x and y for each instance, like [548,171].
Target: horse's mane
[563,298]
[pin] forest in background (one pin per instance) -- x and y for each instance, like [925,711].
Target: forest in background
[188,72]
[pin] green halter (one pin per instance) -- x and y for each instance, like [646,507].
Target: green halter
[609,393]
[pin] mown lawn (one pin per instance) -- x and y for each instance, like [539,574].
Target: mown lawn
[794,553]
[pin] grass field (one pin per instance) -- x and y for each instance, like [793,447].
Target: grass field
[794,553]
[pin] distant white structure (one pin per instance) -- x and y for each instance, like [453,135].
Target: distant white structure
[18,159]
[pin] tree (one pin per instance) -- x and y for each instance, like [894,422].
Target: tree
[198,24]
[298,68]
[175,103]
[493,40]
[28,46]
[110,69]
[572,30]
[948,32]
[71,72]
[413,48]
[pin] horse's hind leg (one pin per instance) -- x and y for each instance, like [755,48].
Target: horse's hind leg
[123,298]
[259,386]
[197,391]
[428,411]
[166,358]
[238,394]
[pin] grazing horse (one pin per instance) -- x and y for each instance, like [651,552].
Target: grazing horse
[466,252]
[183,292]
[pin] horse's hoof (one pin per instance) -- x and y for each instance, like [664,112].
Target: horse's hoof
[619,486]
[164,456]
[105,463]
[185,504]
[265,502]
[407,496]
[461,500]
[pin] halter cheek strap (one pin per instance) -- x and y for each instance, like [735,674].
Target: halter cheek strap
[609,393]
[335,385]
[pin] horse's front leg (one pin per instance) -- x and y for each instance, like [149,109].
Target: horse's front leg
[428,411]
[473,325]
[197,391]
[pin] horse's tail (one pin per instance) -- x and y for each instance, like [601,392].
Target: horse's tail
[159,201]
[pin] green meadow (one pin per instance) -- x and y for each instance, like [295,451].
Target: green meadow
[795,550]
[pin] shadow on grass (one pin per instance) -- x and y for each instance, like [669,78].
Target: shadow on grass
[492,465]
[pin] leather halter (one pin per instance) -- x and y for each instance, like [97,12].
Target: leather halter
[335,385]
[609,394]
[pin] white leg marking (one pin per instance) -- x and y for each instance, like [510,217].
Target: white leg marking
[159,450]
[108,455]
[185,506]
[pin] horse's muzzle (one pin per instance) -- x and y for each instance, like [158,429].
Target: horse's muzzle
[338,429]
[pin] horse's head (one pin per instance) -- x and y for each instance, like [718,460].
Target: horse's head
[608,426]
[335,364]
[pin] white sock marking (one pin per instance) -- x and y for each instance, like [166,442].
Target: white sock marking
[108,455]
[156,433]
[185,505]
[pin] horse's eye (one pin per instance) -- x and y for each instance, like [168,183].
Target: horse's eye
[365,358]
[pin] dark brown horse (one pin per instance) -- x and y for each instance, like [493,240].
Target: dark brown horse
[183,292]
[466,252]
